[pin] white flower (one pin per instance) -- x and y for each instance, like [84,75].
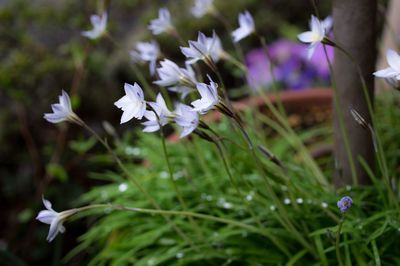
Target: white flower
[202,48]
[132,104]
[246,27]
[209,97]
[313,37]
[162,23]
[99,26]
[148,52]
[171,74]
[182,90]
[202,7]
[393,71]
[158,116]
[54,219]
[61,111]
[186,118]
[327,23]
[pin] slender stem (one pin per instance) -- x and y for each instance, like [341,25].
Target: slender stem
[254,216]
[176,188]
[132,179]
[270,190]
[338,255]
[263,232]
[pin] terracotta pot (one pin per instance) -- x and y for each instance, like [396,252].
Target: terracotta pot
[297,104]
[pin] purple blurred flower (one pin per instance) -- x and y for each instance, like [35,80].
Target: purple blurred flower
[291,67]
[344,204]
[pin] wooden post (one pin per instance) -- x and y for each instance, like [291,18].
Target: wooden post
[355,31]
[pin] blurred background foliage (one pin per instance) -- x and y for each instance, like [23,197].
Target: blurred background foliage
[42,52]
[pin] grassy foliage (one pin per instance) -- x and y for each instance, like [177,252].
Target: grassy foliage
[301,232]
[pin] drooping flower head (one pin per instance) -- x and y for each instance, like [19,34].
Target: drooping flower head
[147,52]
[157,117]
[202,7]
[162,23]
[54,219]
[99,26]
[132,104]
[62,111]
[314,36]
[344,204]
[393,71]
[205,48]
[209,97]
[186,118]
[246,27]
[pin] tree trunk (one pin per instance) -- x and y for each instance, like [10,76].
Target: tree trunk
[355,31]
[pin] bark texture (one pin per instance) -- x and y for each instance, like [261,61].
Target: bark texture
[355,31]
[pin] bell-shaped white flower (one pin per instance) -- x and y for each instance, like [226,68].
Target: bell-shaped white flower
[171,74]
[132,104]
[54,219]
[209,97]
[314,36]
[147,52]
[203,48]
[393,71]
[162,23]
[246,26]
[99,26]
[62,111]
[157,117]
[202,7]
[186,118]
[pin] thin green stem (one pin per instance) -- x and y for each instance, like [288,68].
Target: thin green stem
[250,210]
[337,243]
[173,181]
[133,180]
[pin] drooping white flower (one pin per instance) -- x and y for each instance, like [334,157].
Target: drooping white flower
[148,52]
[132,104]
[186,118]
[54,219]
[314,36]
[246,26]
[393,71]
[158,116]
[202,48]
[162,23]
[202,7]
[171,74]
[62,111]
[99,26]
[209,97]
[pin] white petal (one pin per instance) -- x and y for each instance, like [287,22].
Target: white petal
[310,50]
[46,216]
[47,204]
[307,37]
[386,73]
[53,231]
[393,59]
[134,91]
